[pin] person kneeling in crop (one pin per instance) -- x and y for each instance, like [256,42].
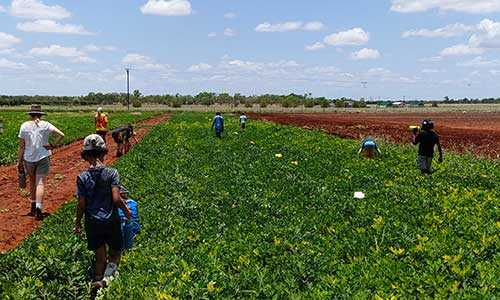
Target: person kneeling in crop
[98,190]
[369,146]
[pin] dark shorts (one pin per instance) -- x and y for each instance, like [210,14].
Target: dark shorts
[104,233]
[243,125]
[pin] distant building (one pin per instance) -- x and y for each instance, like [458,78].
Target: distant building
[398,104]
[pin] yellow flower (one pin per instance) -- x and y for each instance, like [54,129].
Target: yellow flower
[252,142]
[235,133]
[294,162]
[41,248]
[397,251]
[278,155]
[211,286]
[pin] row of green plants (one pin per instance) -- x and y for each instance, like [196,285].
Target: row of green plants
[268,213]
[75,125]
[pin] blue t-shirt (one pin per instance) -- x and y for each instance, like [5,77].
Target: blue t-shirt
[369,143]
[132,205]
[95,185]
[219,123]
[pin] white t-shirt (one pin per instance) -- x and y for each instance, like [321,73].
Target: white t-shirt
[243,119]
[35,137]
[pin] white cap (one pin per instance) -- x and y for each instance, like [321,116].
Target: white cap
[99,110]
[93,142]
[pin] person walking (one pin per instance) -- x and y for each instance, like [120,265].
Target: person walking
[369,146]
[98,190]
[122,137]
[243,120]
[133,221]
[101,123]
[34,155]
[218,123]
[426,139]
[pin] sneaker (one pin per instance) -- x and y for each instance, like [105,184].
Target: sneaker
[32,212]
[39,215]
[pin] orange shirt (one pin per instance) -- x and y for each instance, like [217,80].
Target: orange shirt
[101,122]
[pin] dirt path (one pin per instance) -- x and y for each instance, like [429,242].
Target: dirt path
[66,164]
[475,133]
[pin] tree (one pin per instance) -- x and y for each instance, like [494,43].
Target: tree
[137,94]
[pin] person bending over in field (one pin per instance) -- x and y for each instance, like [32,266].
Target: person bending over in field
[98,190]
[369,146]
[34,155]
[133,222]
[243,120]
[218,123]
[101,123]
[122,137]
[427,139]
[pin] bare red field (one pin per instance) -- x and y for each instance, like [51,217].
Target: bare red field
[474,133]
[66,164]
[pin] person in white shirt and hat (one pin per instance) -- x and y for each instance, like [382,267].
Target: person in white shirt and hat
[34,155]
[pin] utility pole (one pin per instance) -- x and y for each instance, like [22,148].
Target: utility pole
[128,89]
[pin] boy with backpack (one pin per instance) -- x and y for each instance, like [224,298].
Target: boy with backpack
[98,190]
[218,123]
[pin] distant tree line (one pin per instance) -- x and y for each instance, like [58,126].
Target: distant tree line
[204,98]
[136,99]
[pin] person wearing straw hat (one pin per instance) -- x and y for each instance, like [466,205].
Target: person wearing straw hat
[101,123]
[34,155]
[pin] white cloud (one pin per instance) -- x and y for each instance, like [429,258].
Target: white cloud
[230,15]
[451,30]
[52,27]
[431,59]
[461,49]
[315,46]
[355,36]
[365,53]
[202,67]
[289,26]
[212,34]
[7,51]
[36,9]
[57,50]
[431,71]
[313,26]
[230,32]
[84,59]
[465,6]
[142,62]
[167,8]
[92,48]
[51,67]
[488,35]
[7,64]
[136,59]
[7,40]
[480,61]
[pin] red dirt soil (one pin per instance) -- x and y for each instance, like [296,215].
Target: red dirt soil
[66,164]
[473,133]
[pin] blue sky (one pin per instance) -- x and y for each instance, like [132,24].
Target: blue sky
[424,49]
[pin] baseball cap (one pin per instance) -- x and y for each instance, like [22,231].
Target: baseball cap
[93,142]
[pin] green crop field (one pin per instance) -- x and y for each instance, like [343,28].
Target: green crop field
[269,213]
[75,125]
